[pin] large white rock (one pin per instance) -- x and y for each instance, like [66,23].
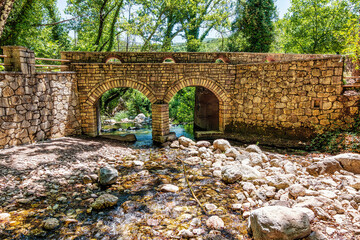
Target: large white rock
[140,118]
[277,222]
[192,160]
[169,188]
[253,148]
[186,142]
[221,144]
[214,222]
[349,161]
[233,173]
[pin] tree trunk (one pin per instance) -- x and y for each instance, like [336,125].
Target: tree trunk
[5,8]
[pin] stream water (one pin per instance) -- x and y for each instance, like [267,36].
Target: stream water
[144,133]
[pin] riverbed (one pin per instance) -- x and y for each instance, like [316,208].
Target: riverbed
[58,179]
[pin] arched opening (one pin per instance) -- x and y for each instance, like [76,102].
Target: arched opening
[219,60]
[215,94]
[206,112]
[125,114]
[194,109]
[169,60]
[113,60]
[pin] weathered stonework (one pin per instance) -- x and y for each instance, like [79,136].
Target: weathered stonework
[262,97]
[290,96]
[37,107]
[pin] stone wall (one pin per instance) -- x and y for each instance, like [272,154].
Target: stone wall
[291,100]
[37,107]
[282,99]
[184,57]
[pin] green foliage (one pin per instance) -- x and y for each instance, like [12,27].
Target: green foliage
[205,15]
[121,115]
[254,23]
[124,102]
[136,103]
[97,23]
[27,26]
[181,106]
[315,26]
[338,140]
[351,32]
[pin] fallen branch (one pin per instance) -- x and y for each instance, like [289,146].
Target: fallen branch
[191,190]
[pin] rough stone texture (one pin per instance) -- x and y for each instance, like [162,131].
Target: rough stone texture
[291,98]
[233,173]
[214,222]
[221,144]
[276,222]
[104,201]
[108,175]
[350,161]
[329,166]
[37,107]
[51,223]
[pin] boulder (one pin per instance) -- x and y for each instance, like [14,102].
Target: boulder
[193,160]
[221,144]
[50,223]
[278,181]
[349,161]
[328,165]
[108,175]
[214,222]
[203,144]
[297,190]
[232,152]
[169,188]
[140,118]
[175,144]
[276,222]
[233,173]
[104,201]
[253,148]
[186,142]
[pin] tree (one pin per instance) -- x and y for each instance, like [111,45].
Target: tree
[96,25]
[5,8]
[315,26]
[202,14]
[33,24]
[253,28]
[157,22]
[352,35]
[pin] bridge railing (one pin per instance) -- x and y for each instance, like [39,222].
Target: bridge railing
[21,59]
[2,64]
[51,67]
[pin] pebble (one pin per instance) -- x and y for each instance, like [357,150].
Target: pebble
[214,222]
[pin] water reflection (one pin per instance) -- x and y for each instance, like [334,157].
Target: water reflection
[143,133]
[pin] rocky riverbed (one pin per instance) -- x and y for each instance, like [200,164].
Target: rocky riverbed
[52,190]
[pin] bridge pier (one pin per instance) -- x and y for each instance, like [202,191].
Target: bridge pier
[160,122]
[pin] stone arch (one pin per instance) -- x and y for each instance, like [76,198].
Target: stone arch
[99,89]
[90,115]
[222,57]
[113,56]
[211,85]
[170,57]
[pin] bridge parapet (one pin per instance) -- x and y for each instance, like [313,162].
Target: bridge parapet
[185,57]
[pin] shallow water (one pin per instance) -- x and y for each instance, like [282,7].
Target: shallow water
[144,134]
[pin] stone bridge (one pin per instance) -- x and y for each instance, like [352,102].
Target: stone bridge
[248,96]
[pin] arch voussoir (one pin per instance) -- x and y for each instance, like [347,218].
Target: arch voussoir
[214,87]
[98,90]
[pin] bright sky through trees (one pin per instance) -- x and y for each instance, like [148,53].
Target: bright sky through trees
[281,5]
